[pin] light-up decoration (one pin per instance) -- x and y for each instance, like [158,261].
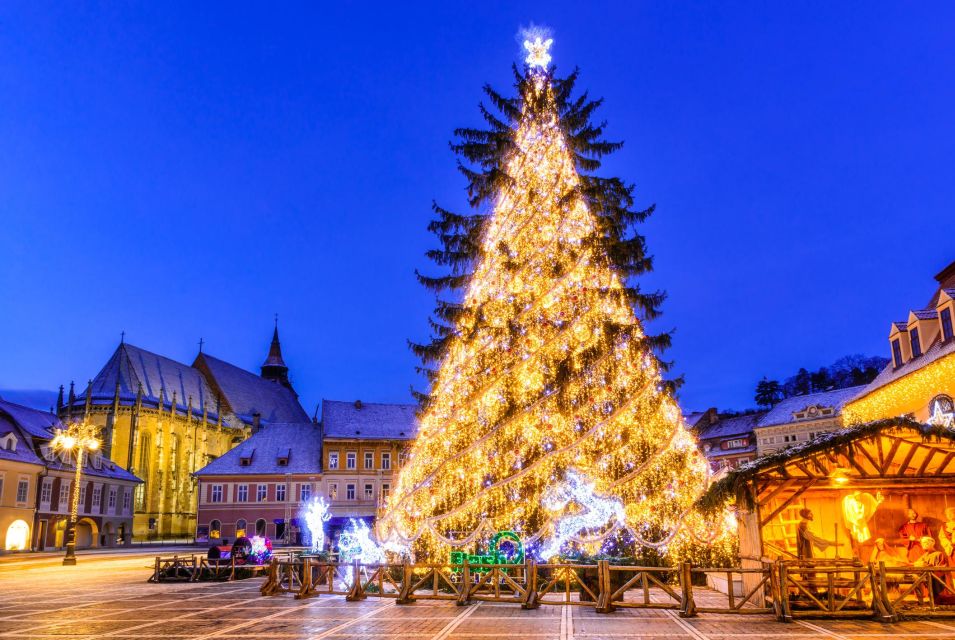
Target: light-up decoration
[17,535]
[857,509]
[506,547]
[316,515]
[538,52]
[77,439]
[840,476]
[943,412]
[546,368]
[261,551]
[355,543]
[595,511]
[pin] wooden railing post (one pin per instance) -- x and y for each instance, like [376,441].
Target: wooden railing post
[604,605]
[271,579]
[405,597]
[464,585]
[893,616]
[530,584]
[356,591]
[687,606]
[787,614]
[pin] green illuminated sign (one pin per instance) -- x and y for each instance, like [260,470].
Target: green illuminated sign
[505,548]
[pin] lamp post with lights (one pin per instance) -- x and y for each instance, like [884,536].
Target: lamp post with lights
[77,439]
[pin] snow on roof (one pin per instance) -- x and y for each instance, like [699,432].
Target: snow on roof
[783,412]
[890,374]
[299,443]
[368,420]
[132,366]
[246,393]
[39,424]
[733,426]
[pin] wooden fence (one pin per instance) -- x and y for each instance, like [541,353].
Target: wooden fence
[785,589]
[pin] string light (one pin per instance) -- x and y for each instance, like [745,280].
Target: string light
[908,394]
[548,375]
[316,515]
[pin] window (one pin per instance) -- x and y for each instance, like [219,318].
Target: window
[215,529]
[97,497]
[111,500]
[280,492]
[216,493]
[916,344]
[46,491]
[127,501]
[736,444]
[897,353]
[333,491]
[332,459]
[305,492]
[402,458]
[385,490]
[350,492]
[369,460]
[23,488]
[64,501]
[240,526]
[82,497]
[386,461]
[369,492]
[261,492]
[260,527]
[351,460]
[946,317]
[242,495]
[812,434]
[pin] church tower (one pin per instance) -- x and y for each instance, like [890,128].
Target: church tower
[274,367]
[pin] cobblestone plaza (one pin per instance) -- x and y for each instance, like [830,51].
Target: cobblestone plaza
[107,596]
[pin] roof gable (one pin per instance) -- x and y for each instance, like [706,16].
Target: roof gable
[783,412]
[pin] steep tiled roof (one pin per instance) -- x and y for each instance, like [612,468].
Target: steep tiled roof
[24,447]
[369,420]
[890,374]
[247,393]
[782,413]
[901,326]
[925,314]
[300,442]
[132,366]
[38,424]
[725,427]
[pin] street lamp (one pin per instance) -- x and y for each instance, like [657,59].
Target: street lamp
[78,438]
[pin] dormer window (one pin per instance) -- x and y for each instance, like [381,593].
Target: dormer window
[916,345]
[246,460]
[946,317]
[897,353]
[282,459]
[8,442]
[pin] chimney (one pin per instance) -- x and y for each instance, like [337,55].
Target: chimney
[256,418]
[358,404]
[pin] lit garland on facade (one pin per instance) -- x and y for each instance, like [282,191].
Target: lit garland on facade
[548,370]
[909,394]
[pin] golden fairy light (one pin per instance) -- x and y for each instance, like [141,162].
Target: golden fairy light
[548,372]
[75,440]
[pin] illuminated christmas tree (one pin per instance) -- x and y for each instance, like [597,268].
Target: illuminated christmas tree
[547,413]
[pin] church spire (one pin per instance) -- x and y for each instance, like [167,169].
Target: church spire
[274,367]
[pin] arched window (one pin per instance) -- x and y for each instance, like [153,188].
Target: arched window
[240,527]
[260,527]
[18,535]
[174,453]
[144,450]
[215,529]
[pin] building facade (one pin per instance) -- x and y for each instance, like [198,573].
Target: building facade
[163,420]
[257,487]
[349,458]
[801,418]
[42,484]
[919,382]
[726,441]
[363,445]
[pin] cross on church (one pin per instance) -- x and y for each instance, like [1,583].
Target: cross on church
[201,342]
[122,337]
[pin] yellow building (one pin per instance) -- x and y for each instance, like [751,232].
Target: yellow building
[363,445]
[919,382]
[163,420]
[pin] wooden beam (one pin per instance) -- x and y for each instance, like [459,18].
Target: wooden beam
[785,484]
[802,467]
[788,501]
[890,455]
[924,465]
[850,457]
[875,465]
[878,448]
[908,457]
[941,467]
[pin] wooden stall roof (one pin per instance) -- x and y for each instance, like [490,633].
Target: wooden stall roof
[893,450]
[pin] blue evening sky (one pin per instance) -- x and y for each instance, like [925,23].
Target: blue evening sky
[186,170]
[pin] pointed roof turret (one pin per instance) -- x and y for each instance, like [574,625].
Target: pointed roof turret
[274,367]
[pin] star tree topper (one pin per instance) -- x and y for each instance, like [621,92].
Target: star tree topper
[538,54]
